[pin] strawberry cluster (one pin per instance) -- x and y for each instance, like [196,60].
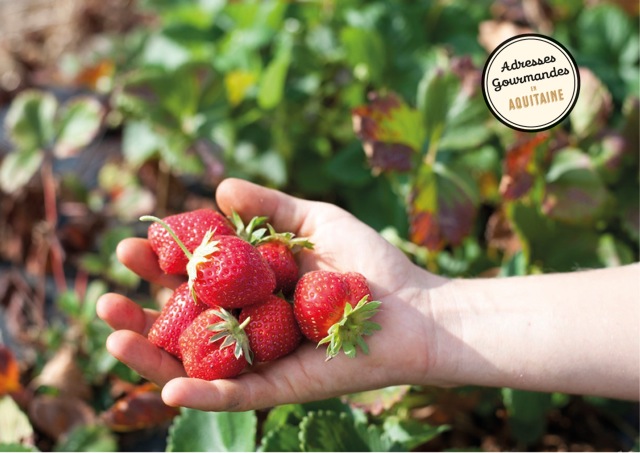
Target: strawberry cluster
[244,300]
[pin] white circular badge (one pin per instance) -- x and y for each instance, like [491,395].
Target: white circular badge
[530,82]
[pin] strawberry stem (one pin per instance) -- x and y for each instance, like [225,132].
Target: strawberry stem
[150,218]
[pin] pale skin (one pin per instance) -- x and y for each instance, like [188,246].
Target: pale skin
[575,333]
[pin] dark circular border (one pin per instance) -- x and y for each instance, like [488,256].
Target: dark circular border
[563,49]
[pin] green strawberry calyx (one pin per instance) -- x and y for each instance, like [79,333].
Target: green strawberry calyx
[231,333]
[347,334]
[256,233]
[201,255]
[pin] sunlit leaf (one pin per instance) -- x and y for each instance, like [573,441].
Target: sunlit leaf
[409,433]
[79,122]
[519,164]
[238,83]
[139,409]
[18,167]
[15,427]
[194,430]
[378,401]
[391,132]
[30,120]
[272,81]
[574,192]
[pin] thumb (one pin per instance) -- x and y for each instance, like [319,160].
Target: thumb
[285,213]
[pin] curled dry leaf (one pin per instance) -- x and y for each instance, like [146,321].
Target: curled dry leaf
[141,408]
[57,415]
[62,373]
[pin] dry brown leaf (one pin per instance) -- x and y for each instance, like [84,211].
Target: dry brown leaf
[57,415]
[62,373]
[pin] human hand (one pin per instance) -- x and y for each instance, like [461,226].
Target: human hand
[398,353]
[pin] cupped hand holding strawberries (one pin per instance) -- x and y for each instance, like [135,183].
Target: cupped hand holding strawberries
[359,259]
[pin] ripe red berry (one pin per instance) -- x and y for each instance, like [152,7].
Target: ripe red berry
[272,331]
[214,346]
[190,228]
[283,263]
[328,311]
[177,314]
[229,272]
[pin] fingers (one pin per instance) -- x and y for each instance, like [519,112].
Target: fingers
[137,255]
[149,361]
[301,377]
[286,213]
[122,313]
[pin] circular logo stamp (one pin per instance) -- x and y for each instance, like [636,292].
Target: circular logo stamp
[530,82]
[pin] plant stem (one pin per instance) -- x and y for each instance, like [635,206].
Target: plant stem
[150,218]
[51,218]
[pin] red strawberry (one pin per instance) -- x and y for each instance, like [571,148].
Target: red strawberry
[328,311]
[225,271]
[214,346]
[278,249]
[177,314]
[273,331]
[229,272]
[190,227]
[283,263]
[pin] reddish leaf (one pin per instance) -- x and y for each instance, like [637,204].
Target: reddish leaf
[142,408]
[517,178]
[9,372]
[425,231]
[443,208]
[390,130]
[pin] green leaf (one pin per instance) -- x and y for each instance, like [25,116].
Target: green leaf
[410,433]
[78,124]
[574,192]
[195,430]
[88,438]
[140,142]
[613,252]
[30,120]
[272,81]
[437,93]
[12,447]
[540,236]
[527,413]
[330,431]
[365,52]
[18,167]
[15,427]
[281,438]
